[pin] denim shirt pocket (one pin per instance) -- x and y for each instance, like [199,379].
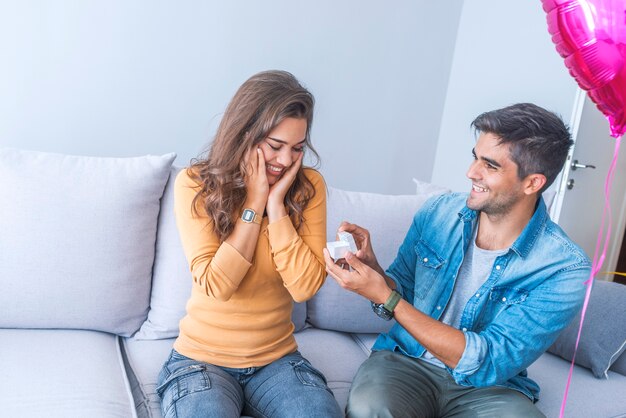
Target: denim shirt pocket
[500,299]
[427,269]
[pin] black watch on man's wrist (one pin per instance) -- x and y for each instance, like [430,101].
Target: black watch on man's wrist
[385,310]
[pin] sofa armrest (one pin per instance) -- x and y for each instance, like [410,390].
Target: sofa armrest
[620,365]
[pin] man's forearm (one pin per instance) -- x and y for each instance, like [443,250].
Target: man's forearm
[441,340]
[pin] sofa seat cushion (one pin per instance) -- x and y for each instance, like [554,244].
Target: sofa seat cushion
[62,373]
[144,359]
[588,396]
[337,355]
[366,341]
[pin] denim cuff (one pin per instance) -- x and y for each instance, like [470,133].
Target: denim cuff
[472,358]
[398,287]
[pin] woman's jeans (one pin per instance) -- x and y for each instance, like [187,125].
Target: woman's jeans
[288,387]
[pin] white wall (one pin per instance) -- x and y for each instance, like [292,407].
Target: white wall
[397,84]
[503,55]
[122,78]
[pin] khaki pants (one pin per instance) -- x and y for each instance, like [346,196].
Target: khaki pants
[390,384]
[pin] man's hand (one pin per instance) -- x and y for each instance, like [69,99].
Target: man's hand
[365,252]
[443,341]
[362,280]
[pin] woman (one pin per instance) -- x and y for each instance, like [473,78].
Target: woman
[252,222]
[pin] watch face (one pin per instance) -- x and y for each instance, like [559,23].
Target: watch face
[380,310]
[248,215]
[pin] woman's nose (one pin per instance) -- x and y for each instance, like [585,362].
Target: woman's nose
[284,158]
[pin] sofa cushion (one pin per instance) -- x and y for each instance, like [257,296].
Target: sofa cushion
[365,341]
[428,189]
[77,241]
[587,397]
[144,360]
[62,374]
[337,355]
[603,337]
[171,279]
[388,219]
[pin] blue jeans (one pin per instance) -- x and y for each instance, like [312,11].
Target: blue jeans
[288,387]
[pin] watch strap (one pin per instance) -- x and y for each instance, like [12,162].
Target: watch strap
[392,301]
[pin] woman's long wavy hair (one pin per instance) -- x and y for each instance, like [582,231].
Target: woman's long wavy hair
[261,103]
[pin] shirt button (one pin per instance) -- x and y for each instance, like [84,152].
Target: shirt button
[477,295]
[425,259]
[497,267]
[503,299]
[438,308]
[464,329]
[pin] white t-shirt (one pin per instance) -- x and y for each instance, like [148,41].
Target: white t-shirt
[474,271]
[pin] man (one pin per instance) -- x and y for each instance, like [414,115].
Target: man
[481,286]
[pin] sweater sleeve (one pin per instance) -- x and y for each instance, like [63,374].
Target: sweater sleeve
[298,255]
[217,268]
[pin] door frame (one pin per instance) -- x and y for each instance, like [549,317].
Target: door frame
[618,226]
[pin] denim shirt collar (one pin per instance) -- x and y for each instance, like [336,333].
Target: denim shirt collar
[524,243]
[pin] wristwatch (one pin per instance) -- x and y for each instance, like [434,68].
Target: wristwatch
[385,310]
[249,216]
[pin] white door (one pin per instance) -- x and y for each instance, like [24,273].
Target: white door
[580,193]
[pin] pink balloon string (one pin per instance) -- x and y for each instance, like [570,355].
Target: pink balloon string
[598,259]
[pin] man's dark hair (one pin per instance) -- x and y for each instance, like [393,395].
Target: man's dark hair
[538,139]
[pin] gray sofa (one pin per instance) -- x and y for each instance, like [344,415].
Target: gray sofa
[94,283]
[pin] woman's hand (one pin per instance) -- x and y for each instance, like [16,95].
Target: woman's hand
[257,186]
[245,235]
[278,191]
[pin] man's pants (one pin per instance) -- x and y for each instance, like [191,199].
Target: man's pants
[390,384]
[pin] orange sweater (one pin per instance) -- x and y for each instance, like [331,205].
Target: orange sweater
[239,313]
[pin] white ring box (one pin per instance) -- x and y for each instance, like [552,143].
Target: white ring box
[338,249]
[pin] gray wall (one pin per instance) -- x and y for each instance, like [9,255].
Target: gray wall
[123,78]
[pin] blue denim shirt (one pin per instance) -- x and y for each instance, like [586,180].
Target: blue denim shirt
[532,293]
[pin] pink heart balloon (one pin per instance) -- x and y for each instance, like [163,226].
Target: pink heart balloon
[591,36]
